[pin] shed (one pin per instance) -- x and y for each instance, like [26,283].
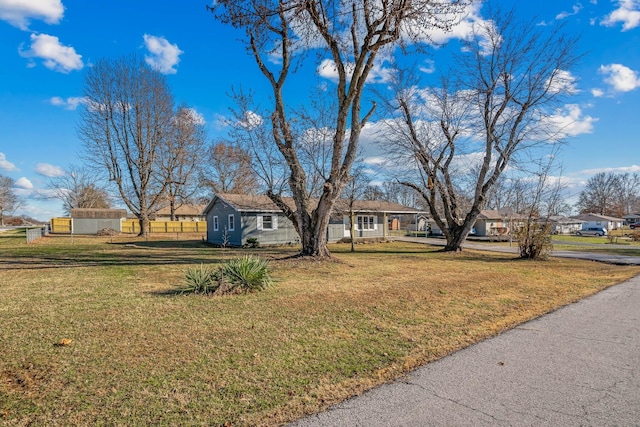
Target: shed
[90,221]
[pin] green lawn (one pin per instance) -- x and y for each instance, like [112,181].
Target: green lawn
[95,332]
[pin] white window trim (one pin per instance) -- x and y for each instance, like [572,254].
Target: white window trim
[231,222]
[260,222]
[372,223]
[216,224]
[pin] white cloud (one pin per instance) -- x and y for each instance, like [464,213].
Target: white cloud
[621,169]
[164,56]
[628,12]
[569,121]
[597,92]
[70,103]
[378,74]
[251,120]
[575,10]
[48,170]
[197,117]
[55,56]
[6,165]
[621,78]
[23,183]
[428,67]
[20,12]
[563,81]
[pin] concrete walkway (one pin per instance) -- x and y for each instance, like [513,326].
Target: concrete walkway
[578,366]
[601,257]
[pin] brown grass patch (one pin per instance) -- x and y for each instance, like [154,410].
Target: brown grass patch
[141,354]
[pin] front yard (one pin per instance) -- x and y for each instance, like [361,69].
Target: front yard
[95,332]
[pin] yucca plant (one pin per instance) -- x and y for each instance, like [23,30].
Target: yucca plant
[201,280]
[249,273]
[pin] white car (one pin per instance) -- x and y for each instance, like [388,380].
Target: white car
[592,231]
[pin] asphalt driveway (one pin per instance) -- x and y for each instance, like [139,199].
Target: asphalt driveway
[601,257]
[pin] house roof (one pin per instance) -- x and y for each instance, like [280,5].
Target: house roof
[191,210]
[262,203]
[98,213]
[588,216]
[559,219]
[632,216]
[499,214]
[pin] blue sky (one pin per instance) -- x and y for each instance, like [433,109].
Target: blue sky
[47,45]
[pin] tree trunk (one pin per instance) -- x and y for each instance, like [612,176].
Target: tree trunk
[144,225]
[172,209]
[455,240]
[352,230]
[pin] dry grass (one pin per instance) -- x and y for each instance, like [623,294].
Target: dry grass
[94,333]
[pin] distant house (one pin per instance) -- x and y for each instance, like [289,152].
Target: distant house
[182,213]
[631,218]
[497,222]
[90,221]
[563,225]
[596,220]
[234,218]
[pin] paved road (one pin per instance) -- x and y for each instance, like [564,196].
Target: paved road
[608,258]
[578,366]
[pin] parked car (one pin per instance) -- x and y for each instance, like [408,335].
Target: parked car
[634,225]
[592,231]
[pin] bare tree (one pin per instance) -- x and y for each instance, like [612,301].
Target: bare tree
[180,159]
[608,193]
[79,187]
[629,191]
[352,33]
[495,106]
[9,200]
[228,169]
[124,127]
[353,192]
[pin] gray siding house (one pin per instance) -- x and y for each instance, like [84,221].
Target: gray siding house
[596,220]
[234,218]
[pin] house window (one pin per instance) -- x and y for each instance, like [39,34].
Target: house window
[267,222]
[232,223]
[366,223]
[215,223]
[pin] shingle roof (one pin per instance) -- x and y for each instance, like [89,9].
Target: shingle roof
[193,210]
[594,215]
[262,203]
[98,213]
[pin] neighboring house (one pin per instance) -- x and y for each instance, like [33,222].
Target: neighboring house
[90,221]
[497,222]
[631,218]
[596,220]
[563,225]
[234,218]
[182,213]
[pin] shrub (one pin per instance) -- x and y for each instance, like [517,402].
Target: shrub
[252,242]
[534,240]
[200,280]
[248,273]
[245,274]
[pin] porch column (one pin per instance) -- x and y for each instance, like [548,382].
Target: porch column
[384,226]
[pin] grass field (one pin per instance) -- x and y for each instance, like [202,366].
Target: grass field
[95,333]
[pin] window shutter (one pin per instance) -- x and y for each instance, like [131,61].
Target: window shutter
[259,222]
[274,222]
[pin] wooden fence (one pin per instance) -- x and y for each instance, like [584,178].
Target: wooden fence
[133,226]
[63,226]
